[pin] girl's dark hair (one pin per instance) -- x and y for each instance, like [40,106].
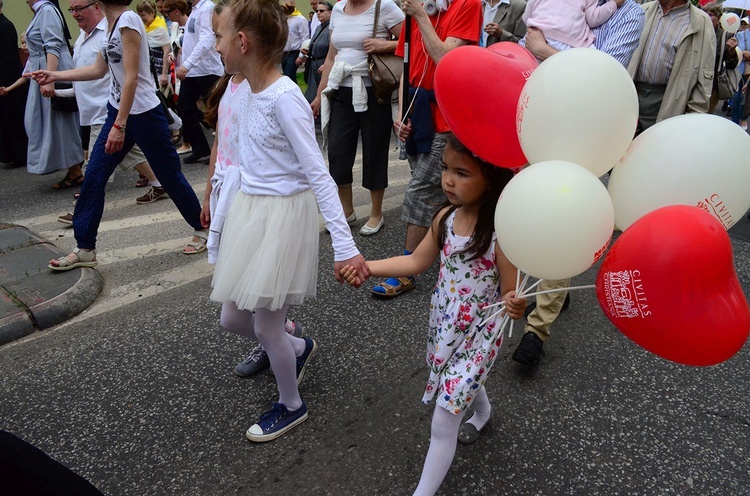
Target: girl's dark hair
[181,5]
[266,21]
[497,178]
[211,111]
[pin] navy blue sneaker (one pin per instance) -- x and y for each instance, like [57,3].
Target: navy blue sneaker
[276,422]
[310,348]
[257,360]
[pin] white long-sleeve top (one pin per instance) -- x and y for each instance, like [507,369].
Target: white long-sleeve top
[280,156]
[199,55]
[299,31]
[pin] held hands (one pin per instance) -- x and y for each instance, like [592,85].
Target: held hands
[514,307]
[351,276]
[353,273]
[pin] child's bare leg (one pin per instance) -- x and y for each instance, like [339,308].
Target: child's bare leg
[443,442]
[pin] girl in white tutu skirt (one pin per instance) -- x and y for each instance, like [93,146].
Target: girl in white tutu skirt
[268,255]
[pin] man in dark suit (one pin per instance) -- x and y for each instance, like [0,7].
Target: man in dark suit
[502,21]
[12,132]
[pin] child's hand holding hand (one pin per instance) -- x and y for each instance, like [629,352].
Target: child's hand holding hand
[351,276]
[514,307]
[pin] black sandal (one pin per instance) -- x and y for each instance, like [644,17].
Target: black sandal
[69,182]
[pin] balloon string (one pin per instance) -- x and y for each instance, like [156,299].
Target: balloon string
[572,288]
[525,291]
[500,309]
[519,288]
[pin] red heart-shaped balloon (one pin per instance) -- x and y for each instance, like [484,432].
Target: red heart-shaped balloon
[669,284]
[477,90]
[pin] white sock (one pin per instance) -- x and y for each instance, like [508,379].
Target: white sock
[155,183]
[443,442]
[482,410]
[269,327]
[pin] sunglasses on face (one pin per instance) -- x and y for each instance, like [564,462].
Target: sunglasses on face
[321,11]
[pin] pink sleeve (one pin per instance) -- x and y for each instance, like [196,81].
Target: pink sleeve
[596,14]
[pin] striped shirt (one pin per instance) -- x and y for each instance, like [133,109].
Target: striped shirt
[619,36]
[655,65]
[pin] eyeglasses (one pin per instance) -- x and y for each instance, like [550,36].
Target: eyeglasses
[319,11]
[77,10]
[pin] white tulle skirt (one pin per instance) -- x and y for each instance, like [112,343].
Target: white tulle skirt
[268,255]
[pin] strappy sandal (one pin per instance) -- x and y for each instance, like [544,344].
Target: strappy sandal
[69,182]
[142,181]
[83,259]
[393,286]
[197,246]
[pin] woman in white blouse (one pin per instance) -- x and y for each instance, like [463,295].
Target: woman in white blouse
[354,107]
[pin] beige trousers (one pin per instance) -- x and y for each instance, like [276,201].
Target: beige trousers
[547,309]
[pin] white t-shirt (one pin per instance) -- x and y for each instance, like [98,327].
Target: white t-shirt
[280,155]
[145,92]
[349,32]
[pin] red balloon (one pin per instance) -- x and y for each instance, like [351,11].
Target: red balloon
[477,90]
[669,284]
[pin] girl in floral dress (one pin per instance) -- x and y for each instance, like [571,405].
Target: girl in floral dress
[474,273]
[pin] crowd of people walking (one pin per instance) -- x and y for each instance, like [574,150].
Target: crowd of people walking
[234,66]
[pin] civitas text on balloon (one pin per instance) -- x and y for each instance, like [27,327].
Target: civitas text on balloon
[714,206]
[625,296]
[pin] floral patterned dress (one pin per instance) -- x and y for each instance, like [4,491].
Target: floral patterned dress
[460,352]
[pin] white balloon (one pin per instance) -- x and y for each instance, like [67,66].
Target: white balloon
[693,159]
[554,219]
[730,22]
[581,106]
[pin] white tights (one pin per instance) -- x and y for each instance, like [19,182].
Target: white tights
[443,440]
[267,326]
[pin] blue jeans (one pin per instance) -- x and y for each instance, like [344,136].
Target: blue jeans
[289,65]
[150,132]
[738,107]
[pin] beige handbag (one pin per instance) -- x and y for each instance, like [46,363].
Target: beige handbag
[385,68]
